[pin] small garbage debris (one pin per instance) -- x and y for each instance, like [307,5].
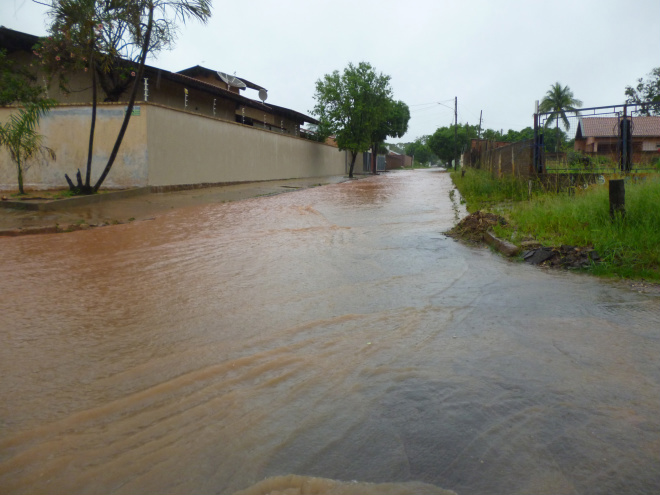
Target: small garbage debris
[562,257]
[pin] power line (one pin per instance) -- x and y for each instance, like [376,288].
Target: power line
[430,103]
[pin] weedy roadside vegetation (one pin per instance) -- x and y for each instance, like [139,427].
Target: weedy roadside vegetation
[629,246]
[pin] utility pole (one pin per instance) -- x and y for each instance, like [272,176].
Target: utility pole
[455,132]
[538,168]
[479,131]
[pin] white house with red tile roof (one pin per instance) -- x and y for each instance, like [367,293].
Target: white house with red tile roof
[600,135]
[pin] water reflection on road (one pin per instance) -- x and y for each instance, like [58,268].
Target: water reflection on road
[332,332]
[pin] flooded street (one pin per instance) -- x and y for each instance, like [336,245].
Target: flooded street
[333,332]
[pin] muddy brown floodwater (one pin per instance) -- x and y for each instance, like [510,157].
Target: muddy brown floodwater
[328,333]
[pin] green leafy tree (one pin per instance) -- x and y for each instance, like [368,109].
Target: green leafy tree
[646,91]
[395,124]
[420,150]
[442,141]
[511,136]
[19,136]
[492,135]
[114,37]
[79,41]
[514,136]
[557,102]
[555,140]
[352,106]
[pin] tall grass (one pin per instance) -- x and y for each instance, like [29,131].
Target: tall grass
[629,246]
[480,189]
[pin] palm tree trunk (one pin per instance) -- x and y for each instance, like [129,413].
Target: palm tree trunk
[90,150]
[131,101]
[20,174]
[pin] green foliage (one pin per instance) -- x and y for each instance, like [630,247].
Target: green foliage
[442,141]
[514,136]
[16,84]
[310,131]
[19,136]
[510,137]
[629,246]
[353,106]
[491,135]
[550,137]
[648,90]
[420,150]
[557,102]
[394,124]
[92,35]
[579,159]
[109,38]
[480,189]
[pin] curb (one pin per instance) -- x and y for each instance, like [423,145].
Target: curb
[62,204]
[504,247]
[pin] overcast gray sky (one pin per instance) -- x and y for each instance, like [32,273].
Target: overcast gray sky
[496,56]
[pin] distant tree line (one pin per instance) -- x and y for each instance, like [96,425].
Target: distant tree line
[439,146]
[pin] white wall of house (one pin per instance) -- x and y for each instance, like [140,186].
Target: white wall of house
[65,129]
[165,147]
[192,149]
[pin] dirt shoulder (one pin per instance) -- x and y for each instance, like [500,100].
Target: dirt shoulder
[476,228]
[67,214]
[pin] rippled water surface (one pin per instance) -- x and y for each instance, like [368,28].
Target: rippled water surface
[327,333]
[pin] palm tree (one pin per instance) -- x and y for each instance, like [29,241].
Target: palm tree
[557,101]
[111,31]
[19,136]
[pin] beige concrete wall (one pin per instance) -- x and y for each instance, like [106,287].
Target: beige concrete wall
[163,146]
[190,149]
[66,131]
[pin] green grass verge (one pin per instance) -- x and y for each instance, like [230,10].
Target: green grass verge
[629,246]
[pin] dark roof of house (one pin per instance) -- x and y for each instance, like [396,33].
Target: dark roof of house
[293,115]
[609,127]
[191,82]
[199,70]
[14,41]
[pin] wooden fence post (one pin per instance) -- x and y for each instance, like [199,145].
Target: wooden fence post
[617,197]
[513,162]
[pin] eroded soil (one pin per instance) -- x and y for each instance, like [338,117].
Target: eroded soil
[472,228]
